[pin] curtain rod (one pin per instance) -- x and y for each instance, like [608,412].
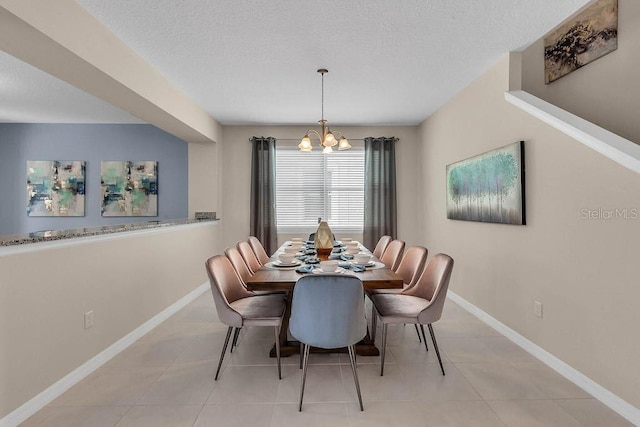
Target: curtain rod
[298,139]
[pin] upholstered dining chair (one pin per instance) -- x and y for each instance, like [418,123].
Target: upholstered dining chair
[249,256]
[238,263]
[393,254]
[258,250]
[421,304]
[410,269]
[382,244]
[327,311]
[243,271]
[238,307]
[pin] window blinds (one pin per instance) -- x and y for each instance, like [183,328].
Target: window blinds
[315,185]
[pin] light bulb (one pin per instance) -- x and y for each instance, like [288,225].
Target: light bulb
[343,144]
[305,144]
[329,140]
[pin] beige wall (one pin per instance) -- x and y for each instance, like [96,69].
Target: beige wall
[236,174]
[585,272]
[125,281]
[605,91]
[204,177]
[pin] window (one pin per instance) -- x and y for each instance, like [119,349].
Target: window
[315,185]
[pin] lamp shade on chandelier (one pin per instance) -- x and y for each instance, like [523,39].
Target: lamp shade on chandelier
[325,136]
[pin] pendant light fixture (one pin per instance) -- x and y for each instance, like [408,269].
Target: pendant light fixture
[326,136]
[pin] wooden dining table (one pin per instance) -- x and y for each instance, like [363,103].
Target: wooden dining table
[284,279]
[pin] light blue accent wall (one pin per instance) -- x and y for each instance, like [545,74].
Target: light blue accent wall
[92,143]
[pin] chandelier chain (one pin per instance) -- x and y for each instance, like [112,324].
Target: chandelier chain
[326,136]
[322,102]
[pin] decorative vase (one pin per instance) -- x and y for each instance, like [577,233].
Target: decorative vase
[323,240]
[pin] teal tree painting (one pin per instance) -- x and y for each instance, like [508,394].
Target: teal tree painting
[488,187]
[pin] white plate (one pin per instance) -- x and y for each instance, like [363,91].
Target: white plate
[368,264]
[319,271]
[294,263]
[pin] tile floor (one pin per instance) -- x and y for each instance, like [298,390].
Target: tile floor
[166,379]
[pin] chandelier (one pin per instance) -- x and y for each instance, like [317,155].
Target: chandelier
[326,137]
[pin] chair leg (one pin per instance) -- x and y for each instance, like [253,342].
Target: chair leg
[418,332]
[352,359]
[424,337]
[234,343]
[435,345]
[277,328]
[224,349]
[304,374]
[374,324]
[384,348]
[301,354]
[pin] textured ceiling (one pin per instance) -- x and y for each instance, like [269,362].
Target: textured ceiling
[389,61]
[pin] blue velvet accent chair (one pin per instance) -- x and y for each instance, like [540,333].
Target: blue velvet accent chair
[327,311]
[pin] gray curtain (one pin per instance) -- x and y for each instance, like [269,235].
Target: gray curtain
[263,192]
[380,215]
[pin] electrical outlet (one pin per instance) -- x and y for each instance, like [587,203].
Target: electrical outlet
[88,319]
[537,308]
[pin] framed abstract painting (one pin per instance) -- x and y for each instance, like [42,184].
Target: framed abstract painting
[581,39]
[129,188]
[488,187]
[55,187]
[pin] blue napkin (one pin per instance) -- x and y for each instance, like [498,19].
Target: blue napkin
[346,257]
[305,269]
[310,252]
[352,267]
[338,250]
[334,256]
[338,245]
[312,260]
[302,258]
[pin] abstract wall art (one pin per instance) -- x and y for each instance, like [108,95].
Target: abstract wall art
[488,187]
[55,188]
[129,188]
[581,39]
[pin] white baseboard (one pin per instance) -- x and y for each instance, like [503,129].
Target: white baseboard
[622,407]
[38,402]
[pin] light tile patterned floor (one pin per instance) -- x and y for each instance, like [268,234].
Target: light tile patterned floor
[166,379]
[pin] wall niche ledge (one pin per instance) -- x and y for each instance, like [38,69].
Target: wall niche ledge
[615,147]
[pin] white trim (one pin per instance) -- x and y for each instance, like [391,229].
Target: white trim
[622,407]
[85,240]
[38,402]
[615,147]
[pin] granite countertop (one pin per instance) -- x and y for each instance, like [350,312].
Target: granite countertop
[50,235]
